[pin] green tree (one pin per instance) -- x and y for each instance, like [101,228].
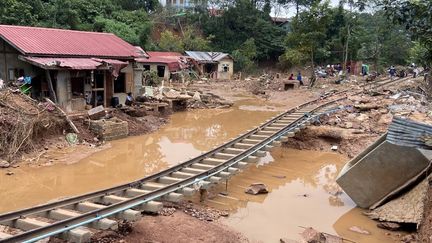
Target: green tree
[170,42]
[307,41]
[416,16]
[245,56]
[192,41]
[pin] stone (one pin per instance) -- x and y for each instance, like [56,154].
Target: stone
[412,238]
[349,125]
[285,240]
[9,173]
[257,188]
[4,164]
[334,148]
[310,235]
[362,117]
[359,230]
[389,226]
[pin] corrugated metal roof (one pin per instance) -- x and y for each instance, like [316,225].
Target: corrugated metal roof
[171,59]
[207,57]
[71,63]
[58,42]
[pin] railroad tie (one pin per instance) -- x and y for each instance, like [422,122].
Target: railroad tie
[250,141]
[224,156]
[233,150]
[214,161]
[128,215]
[242,145]
[202,166]
[102,224]
[3,236]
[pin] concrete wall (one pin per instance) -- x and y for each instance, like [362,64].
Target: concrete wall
[153,67]
[63,90]
[9,60]
[221,73]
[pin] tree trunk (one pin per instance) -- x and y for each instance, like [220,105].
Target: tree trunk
[313,76]
[346,51]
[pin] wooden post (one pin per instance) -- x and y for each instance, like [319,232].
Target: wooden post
[50,85]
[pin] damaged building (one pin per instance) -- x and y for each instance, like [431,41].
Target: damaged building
[74,68]
[215,65]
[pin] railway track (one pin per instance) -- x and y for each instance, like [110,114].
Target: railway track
[74,219]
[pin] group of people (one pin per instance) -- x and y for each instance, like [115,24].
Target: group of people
[299,78]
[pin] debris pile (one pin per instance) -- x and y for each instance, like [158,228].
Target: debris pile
[201,100]
[201,213]
[25,124]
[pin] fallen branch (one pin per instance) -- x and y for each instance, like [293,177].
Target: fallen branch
[71,124]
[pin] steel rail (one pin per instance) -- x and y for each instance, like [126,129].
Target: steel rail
[86,218]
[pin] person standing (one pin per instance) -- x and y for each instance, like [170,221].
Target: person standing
[299,78]
[392,72]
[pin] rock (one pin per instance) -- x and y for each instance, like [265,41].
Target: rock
[362,117]
[412,238]
[385,119]
[359,230]
[257,188]
[9,173]
[389,226]
[348,125]
[310,235]
[197,96]
[4,164]
[334,148]
[285,240]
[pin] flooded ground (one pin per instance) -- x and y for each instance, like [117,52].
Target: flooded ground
[303,193]
[187,135]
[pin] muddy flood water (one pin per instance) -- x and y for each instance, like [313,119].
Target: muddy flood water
[303,193]
[301,183]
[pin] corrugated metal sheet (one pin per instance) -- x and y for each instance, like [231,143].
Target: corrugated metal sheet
[45,41]
[207,57]
[409,133]
[72,63]
[172,59]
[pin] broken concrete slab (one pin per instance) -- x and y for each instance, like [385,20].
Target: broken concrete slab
[407,208]
[97,113]
[257,188]
[380,171]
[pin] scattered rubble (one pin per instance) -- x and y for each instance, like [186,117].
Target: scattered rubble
[310,235]
[257,188]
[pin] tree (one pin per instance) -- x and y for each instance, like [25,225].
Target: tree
[241,22]
[192,40]
[307,41]
[170,42]
[245,56]
[416,16]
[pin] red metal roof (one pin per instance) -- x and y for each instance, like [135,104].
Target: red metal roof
[171,59]
[58,42]
[71,63]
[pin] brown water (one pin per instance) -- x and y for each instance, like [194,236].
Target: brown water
[303,193]
[187,135]
[301,182]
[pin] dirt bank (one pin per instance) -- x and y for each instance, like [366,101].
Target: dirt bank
[180,227]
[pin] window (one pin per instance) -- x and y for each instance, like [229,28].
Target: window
[161,71]
[225,67]
[146,67]
[120,83]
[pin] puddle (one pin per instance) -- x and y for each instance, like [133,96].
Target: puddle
[303,193]
[187,135]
